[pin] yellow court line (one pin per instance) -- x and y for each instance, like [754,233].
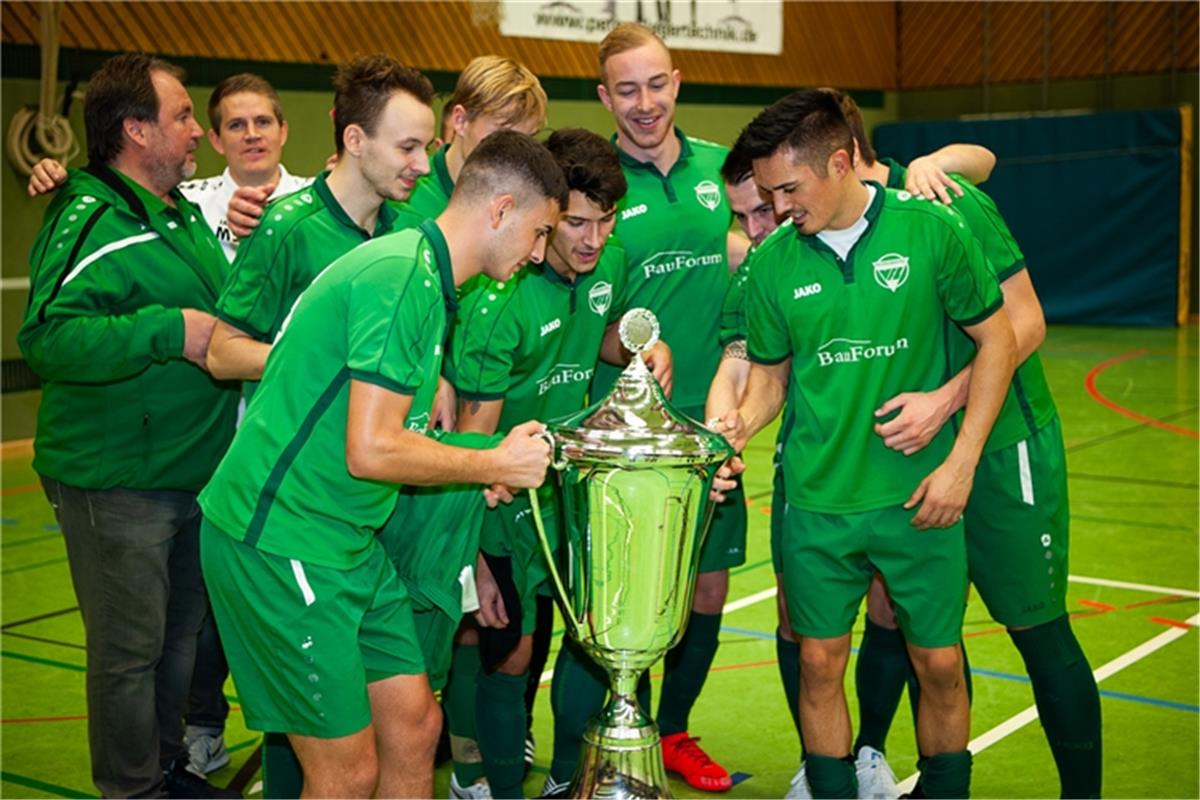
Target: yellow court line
[17,448]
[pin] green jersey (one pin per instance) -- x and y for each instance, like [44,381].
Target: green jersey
[1029,405]
[111,269]
[377,314]
[674,229]
[858,331]
[301,234]
[430,196]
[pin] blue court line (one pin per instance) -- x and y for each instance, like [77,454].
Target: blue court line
[1008,676]
[35,565]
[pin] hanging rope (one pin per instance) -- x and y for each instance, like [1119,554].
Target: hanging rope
[42,132]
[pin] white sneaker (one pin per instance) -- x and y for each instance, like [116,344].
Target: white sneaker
[479,790]
[553,788]
[799,789]
[206,751]
[876,781]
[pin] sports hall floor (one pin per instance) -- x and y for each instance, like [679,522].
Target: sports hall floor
[1129,404]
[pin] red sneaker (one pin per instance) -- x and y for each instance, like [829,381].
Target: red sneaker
[684,757]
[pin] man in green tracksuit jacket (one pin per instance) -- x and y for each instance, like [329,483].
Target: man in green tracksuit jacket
[124,277]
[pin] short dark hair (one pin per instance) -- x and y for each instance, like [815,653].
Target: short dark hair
[809,122]
[362,88]
[737,167]
[123,88]
[505,156]
[853,115]
[236,84]
[589,164]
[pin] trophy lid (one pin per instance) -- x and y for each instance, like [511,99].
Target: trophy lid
[636,422]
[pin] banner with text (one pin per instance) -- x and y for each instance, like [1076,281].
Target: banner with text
[734,26]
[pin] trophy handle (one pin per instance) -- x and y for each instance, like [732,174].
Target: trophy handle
[557,463]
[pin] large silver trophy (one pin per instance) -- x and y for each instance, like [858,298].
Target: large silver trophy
[633,477]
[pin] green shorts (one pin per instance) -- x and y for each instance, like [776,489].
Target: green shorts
[828,561]
[778,509]
[435,631]
[1017,523]
[303,641]
[725,544]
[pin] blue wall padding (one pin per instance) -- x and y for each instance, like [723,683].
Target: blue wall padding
[1092,198]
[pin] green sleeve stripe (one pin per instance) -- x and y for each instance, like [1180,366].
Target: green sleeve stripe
[1009,271]
[243,326]
[767,361]
[266,498]
[412,274]
[980,317]
[481,396]
[69,270]
[382,381]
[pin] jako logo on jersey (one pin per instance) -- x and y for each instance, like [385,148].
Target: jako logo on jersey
[806,291]
[562,374]
[600,297]
[674,260]
[634,211]
[708,194]
[551,326]
[852,351]
[891,271]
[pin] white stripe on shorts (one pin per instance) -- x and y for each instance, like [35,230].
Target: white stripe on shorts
[1026,473]
[302,582]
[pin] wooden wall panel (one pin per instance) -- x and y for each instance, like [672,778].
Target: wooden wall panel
[943,44]
[849,44]
[939,44]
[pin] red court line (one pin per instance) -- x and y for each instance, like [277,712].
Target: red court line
[1097,604]
[23,489]
[1171,598]
[1174,623]
[1089,383]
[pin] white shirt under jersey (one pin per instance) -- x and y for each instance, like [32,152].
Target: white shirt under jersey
[842,241]
[213,194]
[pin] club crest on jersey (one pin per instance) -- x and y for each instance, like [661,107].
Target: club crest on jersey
[600,297]
[891,271]
[708,194]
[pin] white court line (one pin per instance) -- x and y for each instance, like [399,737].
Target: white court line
[1015,723]
[767,594]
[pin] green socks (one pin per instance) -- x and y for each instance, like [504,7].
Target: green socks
[880,674]
[945,775]
[500,715]
[788,655]
[1068,703]
[831,777]
[578,692]
[685,670]
[282,774]
[458,701]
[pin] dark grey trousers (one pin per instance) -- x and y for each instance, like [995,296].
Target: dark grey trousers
[135,566]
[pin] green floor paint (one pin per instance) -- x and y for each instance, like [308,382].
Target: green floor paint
[1134,496]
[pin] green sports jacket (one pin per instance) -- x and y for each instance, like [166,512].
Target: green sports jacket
[110,271]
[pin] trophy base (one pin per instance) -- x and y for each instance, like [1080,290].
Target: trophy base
[621,762]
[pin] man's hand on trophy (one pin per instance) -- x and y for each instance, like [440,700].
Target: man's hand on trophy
[732,427]
[491,613]
[523,457]
[658,359]
[724,481]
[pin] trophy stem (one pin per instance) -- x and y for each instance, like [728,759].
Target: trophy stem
[622,750]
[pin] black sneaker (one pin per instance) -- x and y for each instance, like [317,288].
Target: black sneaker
[181,783]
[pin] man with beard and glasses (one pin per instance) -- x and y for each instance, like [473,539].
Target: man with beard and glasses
[124,281]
